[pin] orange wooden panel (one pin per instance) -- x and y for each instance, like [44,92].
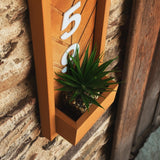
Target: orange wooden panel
[90,44]
[87,33]
[85,18]
[62,127]
[101,23]
[87,120]
[83,3]
[40,19]
[58,49]
[57,53]
[56,84]
[56,24]
[62,5]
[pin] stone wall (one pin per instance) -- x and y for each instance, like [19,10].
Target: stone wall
[20,133]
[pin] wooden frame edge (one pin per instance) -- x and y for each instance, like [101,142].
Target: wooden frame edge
[43,51]
[139,55]
[100,32]
[80,127]
[44,73]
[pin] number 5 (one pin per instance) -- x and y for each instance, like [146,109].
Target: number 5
[68,18]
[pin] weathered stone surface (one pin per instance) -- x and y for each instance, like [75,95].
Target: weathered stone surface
[19,136]
[15,61]
[117,32]
[10,98]
[15,52]
[11,11]
[57,150]
[18,128]
[60,149]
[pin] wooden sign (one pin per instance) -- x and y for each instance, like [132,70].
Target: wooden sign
[58,27]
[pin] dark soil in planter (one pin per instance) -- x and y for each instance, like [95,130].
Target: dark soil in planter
[74,110]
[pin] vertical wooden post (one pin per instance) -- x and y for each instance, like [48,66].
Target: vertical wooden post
[102,14]
[151,97]
[144,28]
[40,18]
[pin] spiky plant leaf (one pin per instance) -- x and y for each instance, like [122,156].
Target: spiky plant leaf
[68,77]
[102,67]
[67,83]
[86,80]
[92,100]
[85,60]
[75,94]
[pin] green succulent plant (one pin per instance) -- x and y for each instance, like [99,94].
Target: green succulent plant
[87,80]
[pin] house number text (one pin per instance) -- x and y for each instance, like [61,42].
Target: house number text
[68,18]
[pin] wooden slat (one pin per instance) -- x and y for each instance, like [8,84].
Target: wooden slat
[151,95]
[62,5]
[56,24]
[41,31]
[142,39]
[59,7]
[87,33]
[58,49]
[85,16]
[83,3]
[90,45]
[102,14]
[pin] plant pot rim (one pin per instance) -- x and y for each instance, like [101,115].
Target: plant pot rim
[86,121]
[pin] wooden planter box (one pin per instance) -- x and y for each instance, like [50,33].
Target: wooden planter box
[73,131]
[50,21]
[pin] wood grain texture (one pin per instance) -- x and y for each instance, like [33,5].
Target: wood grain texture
[15,56]
[86,35]
[18,128]
[102,14]
[83,4]
[62,5]
[41,31]
[86,15]
[151,96]
[56,24]
[139,54]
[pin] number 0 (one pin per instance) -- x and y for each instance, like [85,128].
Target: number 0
[68,18]
[64,58]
